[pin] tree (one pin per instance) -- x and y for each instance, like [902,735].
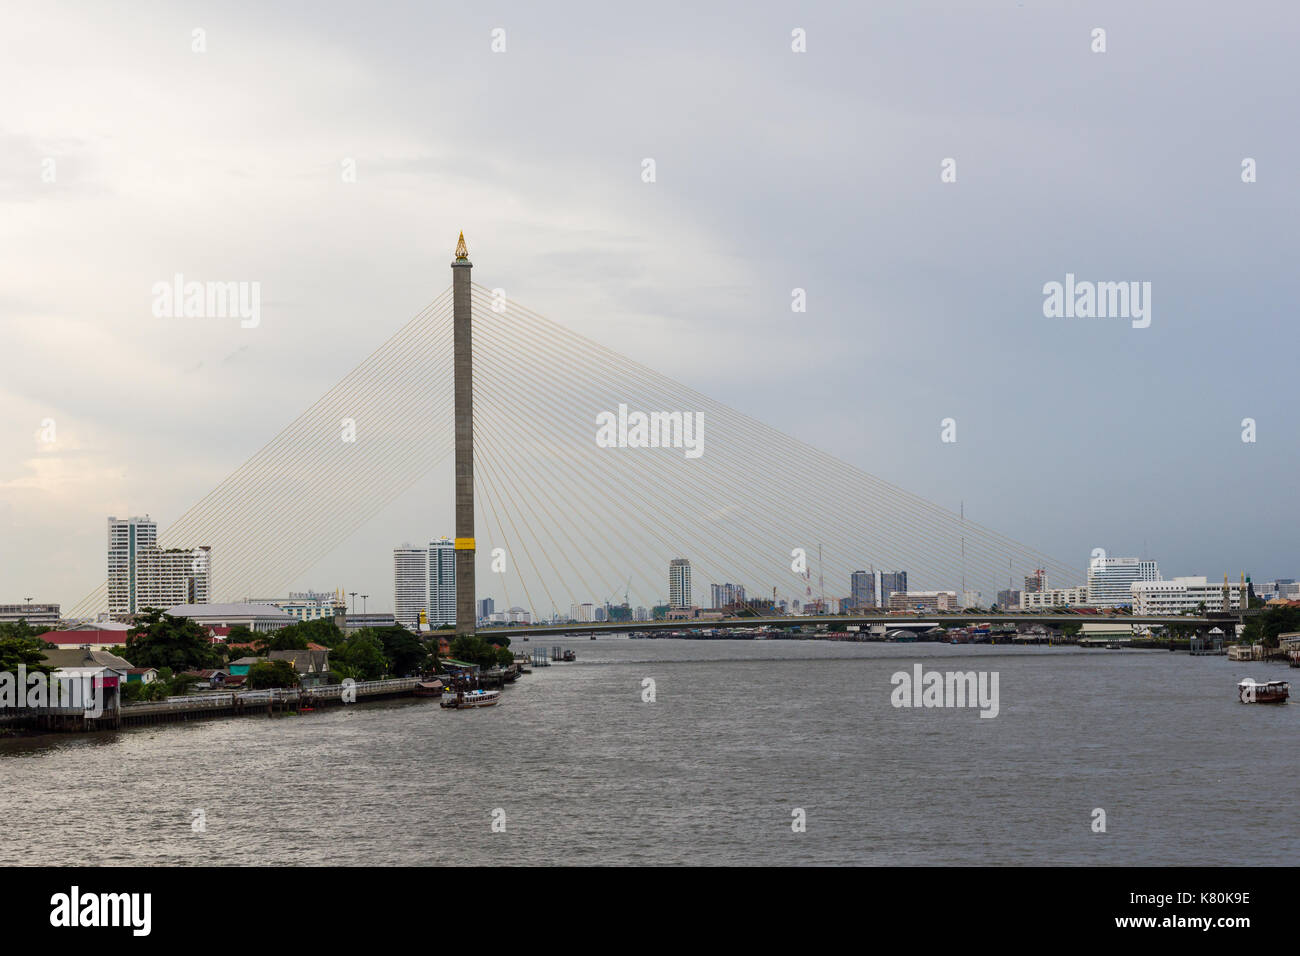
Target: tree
[241,634]
[474,650]
[297,636]
[405,652]
[18,647]
[161,640]
[505,657]
[18,629]
[266,674]
[360,656]
[285,639]
[1267,626]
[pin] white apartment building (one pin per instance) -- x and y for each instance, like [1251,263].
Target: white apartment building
[424,579]
[1053,597]
[141,574]
[442,582]
[1110,579]
[1184,594]
[679,583]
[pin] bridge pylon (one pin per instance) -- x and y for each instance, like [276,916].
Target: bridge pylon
[463,375]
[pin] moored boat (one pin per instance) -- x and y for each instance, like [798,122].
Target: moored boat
[429,688]
[1251,691]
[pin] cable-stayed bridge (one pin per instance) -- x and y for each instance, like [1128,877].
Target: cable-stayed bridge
[568,508]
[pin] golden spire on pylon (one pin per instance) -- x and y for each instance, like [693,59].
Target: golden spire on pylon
[462,253]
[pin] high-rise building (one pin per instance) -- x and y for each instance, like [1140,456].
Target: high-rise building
[1008,598]
[890,584]
[442,582]
[126,538]
[141,574]
[410,585]
[725,595]
[970,599]
[424,579]
[1036,582]
[862,589]
[679,583]
[486,608]
[1109,580]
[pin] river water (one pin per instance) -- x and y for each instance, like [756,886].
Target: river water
[574,767]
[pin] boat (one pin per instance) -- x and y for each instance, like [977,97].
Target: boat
[570,656]
[472,698]
[1251,691]
[428,688]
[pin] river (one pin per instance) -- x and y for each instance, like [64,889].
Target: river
[742,740]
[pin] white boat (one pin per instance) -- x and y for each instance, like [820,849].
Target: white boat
[1251,691]
[472,698]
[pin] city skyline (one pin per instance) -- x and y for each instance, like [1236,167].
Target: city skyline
[79,448]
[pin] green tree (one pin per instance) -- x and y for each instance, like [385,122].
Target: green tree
[266,674]
[19,629]
[1267,626]
[241,634]
[17,649]
[360,656]
[160,640]
[505,657]
[475,650]
[405,652]
[285,639]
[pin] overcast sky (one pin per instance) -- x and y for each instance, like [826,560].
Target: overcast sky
[775,170]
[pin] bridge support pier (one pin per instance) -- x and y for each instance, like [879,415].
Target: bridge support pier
[463,375]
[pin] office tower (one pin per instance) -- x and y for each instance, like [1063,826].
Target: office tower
[862,589]
[1036,582]
[895,583]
